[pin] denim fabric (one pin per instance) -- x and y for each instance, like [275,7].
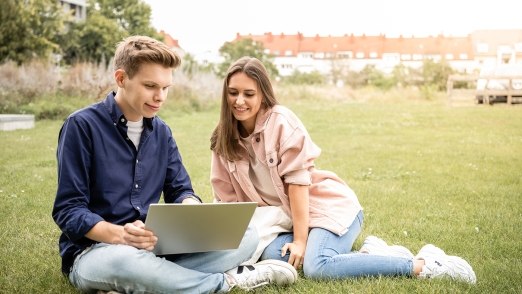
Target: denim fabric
[127,269]
[328,255]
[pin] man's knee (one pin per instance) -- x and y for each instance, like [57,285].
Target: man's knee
[250,240]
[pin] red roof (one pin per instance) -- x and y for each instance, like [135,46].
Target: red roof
[169,41]
[441,45]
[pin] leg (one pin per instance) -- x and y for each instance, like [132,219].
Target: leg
[273,250]
[220,261]
[328,256]
[129,270]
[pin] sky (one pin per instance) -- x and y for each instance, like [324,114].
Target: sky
[205,25]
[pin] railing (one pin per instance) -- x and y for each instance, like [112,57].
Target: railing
[485,93]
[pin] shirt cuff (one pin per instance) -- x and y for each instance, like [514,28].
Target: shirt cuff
[298,177]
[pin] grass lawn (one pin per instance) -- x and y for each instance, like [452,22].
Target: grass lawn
[424,173]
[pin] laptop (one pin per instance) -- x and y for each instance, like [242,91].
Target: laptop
[189,228]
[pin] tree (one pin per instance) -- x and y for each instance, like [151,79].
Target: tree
[92,40]
[30,29]
[108,22]
[436,73]
[233,51]
[132,16]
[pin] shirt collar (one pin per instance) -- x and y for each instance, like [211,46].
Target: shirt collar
[117,116]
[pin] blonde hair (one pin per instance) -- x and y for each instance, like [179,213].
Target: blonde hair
[222,140]
[133,51]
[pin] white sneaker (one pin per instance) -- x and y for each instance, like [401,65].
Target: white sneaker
[376,246]
[439,264]
[249,277]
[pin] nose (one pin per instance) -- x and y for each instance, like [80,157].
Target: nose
[161,95]
[240,99]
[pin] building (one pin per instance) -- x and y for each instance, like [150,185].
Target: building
[305,54]
[172,43]
[324,54]
[493,47]
[78,8]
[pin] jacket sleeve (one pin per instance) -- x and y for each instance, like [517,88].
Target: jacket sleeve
[220,180]
[70,211]
[297,152]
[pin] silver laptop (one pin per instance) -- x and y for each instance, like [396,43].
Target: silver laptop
[188,228]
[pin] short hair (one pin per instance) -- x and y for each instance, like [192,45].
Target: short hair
[222,140]
[133,51]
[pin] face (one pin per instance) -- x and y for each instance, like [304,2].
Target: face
[244,99]
[143,95]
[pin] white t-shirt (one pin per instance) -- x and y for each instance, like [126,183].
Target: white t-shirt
[134,129]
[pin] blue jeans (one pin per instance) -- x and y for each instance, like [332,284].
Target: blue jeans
[328,255]
[127,269]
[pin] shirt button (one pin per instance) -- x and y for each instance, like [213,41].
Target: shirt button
[137,207]
[257,140]
[136,161]
[136,186]
[122,120]
[114,123]
[271,160]
[127,139]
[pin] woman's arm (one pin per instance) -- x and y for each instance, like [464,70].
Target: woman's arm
[299,204]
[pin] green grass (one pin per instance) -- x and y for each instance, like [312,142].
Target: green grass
[451,176]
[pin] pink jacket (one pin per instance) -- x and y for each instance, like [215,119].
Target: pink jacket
[281,141]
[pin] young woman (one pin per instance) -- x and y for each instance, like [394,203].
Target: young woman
[261,152]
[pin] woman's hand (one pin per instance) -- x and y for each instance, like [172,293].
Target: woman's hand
[135,234]
[297,253]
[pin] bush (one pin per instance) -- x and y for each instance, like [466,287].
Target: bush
[301,78]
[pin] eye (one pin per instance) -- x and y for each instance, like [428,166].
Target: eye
[231,93]
[249,94]
[149,86]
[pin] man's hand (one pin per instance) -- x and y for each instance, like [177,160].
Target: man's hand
[135,234]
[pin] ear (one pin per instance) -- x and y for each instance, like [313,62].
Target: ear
[119,76]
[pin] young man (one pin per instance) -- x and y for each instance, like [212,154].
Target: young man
[115,158]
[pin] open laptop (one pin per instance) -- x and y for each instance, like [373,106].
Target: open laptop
[188,228]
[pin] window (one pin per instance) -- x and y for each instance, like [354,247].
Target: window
[345,54]
[359,55]
[417,56]
[73,8]
[482,47]
[391,57]
[405,56]
[319,55]
[448,56]
[374,55]
[288,53]
[276,53]
[518,47]
[463,56]
[306,55]
[433,56]
[267,51]
[289,66]
[329,55]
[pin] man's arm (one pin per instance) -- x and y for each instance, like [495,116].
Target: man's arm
[133,234]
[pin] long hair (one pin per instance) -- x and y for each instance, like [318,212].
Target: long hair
[222,140]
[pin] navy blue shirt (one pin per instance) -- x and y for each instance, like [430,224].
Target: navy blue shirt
[101,175]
